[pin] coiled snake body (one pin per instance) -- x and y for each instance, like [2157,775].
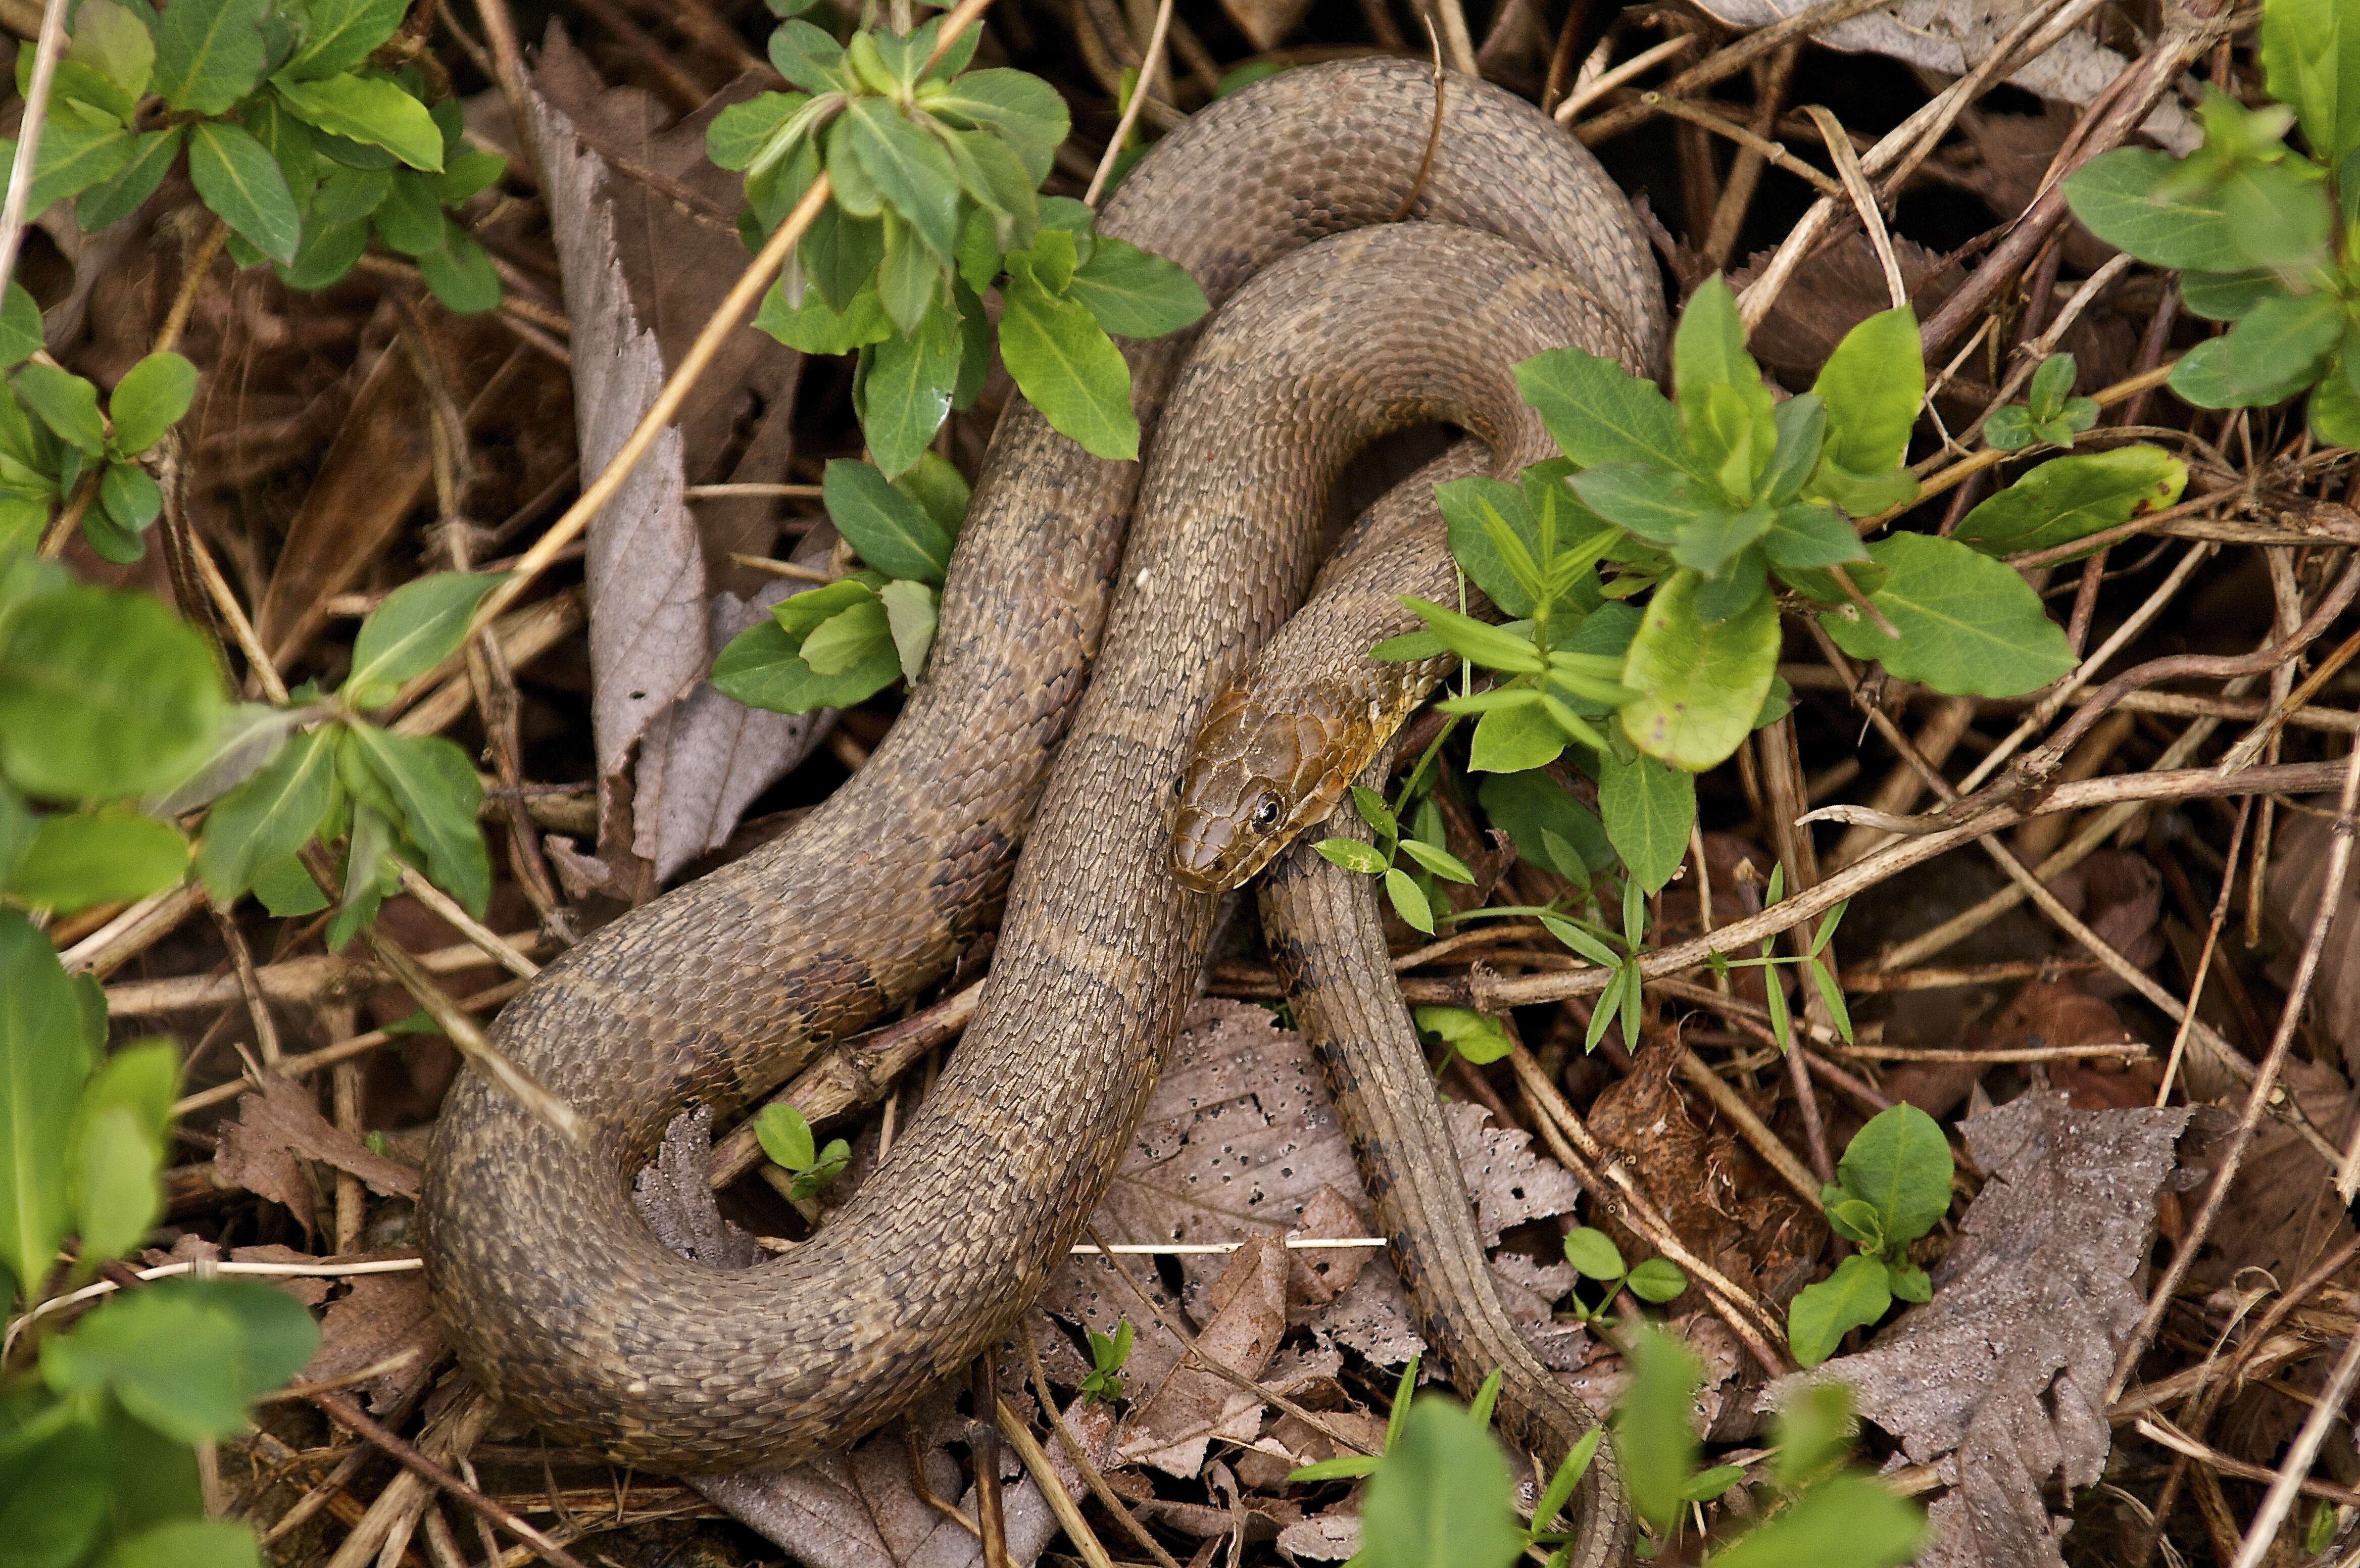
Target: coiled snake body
[560,1300]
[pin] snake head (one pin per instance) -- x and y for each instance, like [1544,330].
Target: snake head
[1255,778]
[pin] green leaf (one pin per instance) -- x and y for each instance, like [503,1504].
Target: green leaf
[420,624]
[2205,378]
[1575,1465]
[1599,412]
[435,786]
[150,399]
[340,34]
[118,1147]
[1710,544]
[848,638]
[74,157]
[1532,808]
[1343,1467]
[1593,1253]
[1648,809]
[1409,901]
[269,816]
[329,251]
[1872,384]
[909,167]
[1856,1221]
[891,531]
[1900,1164]
[2227,296]
[1439,862]
[20,327]
[1854,1297]
[210,54]
[461,275]
[786,1138]
[2280,343]
[813,327]
[1019,107]
[243,185]
[1806,536]
[2277,211]
[1725,409]
[906,391]
[467,173]
[103,695]
[372,872]
[1353,855]
[44,1056]
[1135,294]
[370,110]
[1846,1521]
[1066,365]
[184,1356]
[1802,426]
[1477,640]
[1511,739]
[807,57]
[1657,1280]
[1371,807]
[1968,625]
[1441,1496]
[287,890]
[911,612]
[349,194]
[188,1544]
[1700,684]
[66,403]
[2334,411]
[2116,198]
[1653,501]
[111,39]
[1907,1281]
[1478,1038]
[1814,1430]
[2070,498]
[2310,61]
[1651,1432]
[108,857]
[1706,1484]
[410,219]
[761,668]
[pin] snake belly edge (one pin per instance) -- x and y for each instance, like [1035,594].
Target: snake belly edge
[559,1299]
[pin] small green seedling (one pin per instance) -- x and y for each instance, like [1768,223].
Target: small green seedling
[1892,1186]
[1104,1382]
[2049,412]
[1595,1256]
[786,1138]
[1412,902]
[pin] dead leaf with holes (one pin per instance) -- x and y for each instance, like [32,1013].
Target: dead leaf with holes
[1173,1427]
[2000,1381]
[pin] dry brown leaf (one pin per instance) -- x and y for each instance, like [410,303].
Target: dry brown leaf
[382,1317]
[641,278]
[2000,1380]
[1829,294]
[1266,23]
[1173,1427]
[372,474]
[1952,37]
[280,1123]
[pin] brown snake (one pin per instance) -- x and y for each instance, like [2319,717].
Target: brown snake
[561,1301]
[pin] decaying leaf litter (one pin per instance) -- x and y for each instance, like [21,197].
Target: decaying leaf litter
[2146,1276]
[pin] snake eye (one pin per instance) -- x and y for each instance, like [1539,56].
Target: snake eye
[1265,813]
[1177,780]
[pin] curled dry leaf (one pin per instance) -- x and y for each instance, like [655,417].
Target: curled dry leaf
[382,1317]
[641,279]
[1952,37]
[1173,1427]
[2000,1380]
[280,1124]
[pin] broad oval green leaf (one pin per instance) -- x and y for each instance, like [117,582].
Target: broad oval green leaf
[186,1356]
[435,785]
[1647,809]
[420,624]
[44,1056]
[1593,1253]
[2310,61]
[340,34]
[910,170]
[1440,1496]
[1700,683]
[103,695]
[1473,1035]
[1872,384]
[2115,197]
[891,531]
[74,157]
[1599,412]
[1899,1164]
[1515,738]
[243,185]
[370,110]
[210,55]
[1353,855]
[1845,1522]
[111,39]
[1135,294]
[77,859]
[1068,367]
[1854,1297]
[150,399]
[66,403]
[1969,624]
[1532,808]
[761,668]
[2073,497]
